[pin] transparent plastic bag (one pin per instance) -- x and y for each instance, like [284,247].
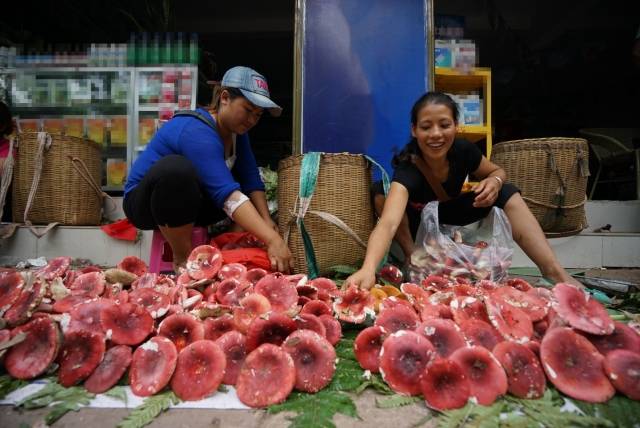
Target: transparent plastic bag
[480,250]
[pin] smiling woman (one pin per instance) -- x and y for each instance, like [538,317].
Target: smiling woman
[199,169]
[433,166]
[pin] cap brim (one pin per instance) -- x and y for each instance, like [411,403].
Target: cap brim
[262,101]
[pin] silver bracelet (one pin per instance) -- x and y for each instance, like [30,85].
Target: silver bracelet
[498,178]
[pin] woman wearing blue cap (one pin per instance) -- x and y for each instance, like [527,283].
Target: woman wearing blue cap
[199,169]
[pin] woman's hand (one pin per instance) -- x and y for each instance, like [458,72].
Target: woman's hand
[486,192]
[363,278]
[279,255]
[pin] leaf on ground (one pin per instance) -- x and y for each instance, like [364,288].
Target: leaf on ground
[512,412]
[374,381]
[316,410]
[149,410]
[396,400]
[620,411]
[9,384]
[455,418]
[119,393]
[59,399]
[348,376]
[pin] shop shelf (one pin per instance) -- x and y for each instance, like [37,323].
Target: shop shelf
[477,79]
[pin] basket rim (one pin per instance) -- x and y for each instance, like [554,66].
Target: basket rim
[344,158]
[59,135]
[545,140]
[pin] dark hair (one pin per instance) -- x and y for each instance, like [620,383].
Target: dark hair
[217,91]
[6,122]
[411,148]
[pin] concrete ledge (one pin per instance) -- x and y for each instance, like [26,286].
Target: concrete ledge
[587,250]
[87,242]
[591,250]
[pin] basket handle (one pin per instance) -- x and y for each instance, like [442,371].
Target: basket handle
[44,143]
[81,168]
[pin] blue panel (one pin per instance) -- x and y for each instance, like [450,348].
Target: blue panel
[364,65]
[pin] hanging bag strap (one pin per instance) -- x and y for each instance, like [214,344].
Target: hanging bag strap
[193,113]
[436,186]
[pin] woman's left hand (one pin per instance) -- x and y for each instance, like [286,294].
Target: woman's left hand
[486,192]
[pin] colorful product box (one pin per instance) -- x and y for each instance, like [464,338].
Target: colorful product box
[54,126]
[96,129]
[146,129]
[74,126]
[116,171]
[118,130]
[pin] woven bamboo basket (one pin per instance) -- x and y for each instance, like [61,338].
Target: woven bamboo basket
[63,195]
[552,175]
[342,189]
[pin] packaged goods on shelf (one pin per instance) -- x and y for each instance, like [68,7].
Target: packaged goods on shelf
[30,125]
[53,125]
[168,93]
[459,54]
[470,109]
[116,171]
[60,92]
[146,128]
[118,130]
[79,91]
[96,127]
[120,89]
[74,126]
[464,56]
[443,53]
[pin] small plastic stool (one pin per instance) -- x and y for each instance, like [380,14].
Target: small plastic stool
[161,257]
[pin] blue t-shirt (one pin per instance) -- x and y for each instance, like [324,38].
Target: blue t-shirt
[190,137]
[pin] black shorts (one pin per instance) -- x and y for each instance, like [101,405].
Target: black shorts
[170,194]
[457,211]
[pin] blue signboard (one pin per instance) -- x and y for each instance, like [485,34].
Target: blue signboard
[364,63]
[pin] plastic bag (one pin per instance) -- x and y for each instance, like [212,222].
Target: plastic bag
[243,248]
[480,250]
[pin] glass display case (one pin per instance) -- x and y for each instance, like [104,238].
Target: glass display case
[118,107]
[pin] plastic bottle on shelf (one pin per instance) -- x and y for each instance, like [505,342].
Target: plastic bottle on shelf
[154,50]
[4,53]
[131,51]
[179,49]
[143,50]
[165,50]
[193,49]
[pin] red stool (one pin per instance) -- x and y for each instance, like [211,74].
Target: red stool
[161,257]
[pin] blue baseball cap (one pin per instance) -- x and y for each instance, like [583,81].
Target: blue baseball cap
[253,86]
